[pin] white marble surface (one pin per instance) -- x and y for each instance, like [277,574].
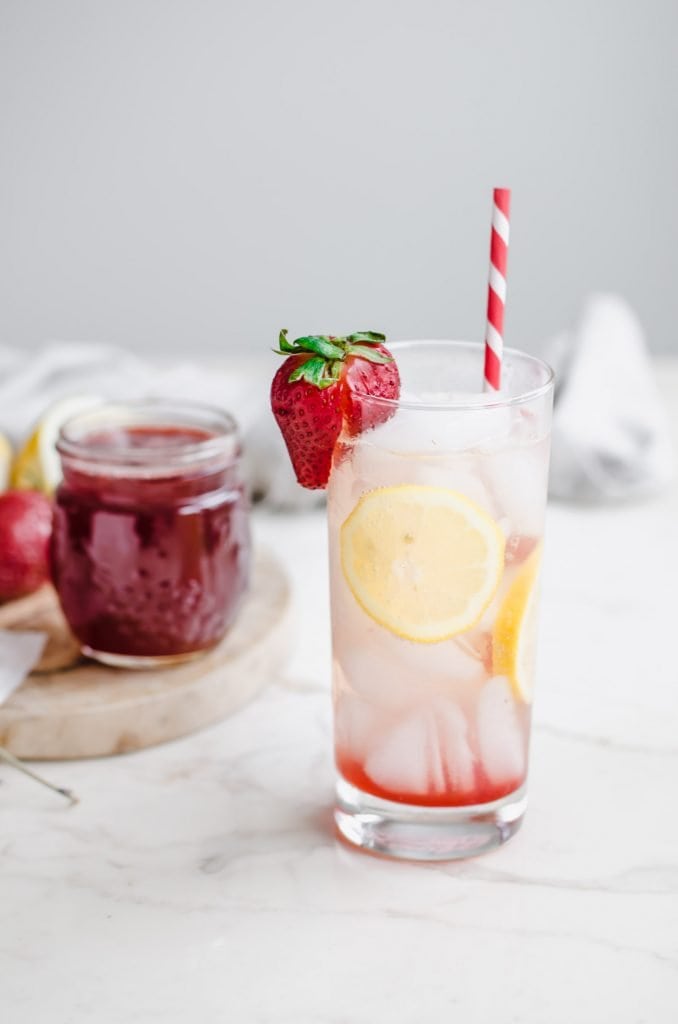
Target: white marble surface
[201,881]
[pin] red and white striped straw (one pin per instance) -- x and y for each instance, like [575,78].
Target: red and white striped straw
[496,299]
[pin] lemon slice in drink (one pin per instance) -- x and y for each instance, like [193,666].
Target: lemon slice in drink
[515,628]
[424,562]
[37,466]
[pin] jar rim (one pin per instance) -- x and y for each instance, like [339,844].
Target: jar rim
[223,440]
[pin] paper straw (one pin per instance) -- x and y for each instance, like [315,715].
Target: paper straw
[496,297]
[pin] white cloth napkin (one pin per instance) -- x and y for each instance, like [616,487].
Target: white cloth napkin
[611,437]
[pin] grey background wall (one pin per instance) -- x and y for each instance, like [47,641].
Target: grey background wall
[194,175]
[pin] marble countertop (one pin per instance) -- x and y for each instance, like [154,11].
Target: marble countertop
[200,881]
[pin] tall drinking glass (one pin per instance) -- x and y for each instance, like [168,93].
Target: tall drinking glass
[435,524]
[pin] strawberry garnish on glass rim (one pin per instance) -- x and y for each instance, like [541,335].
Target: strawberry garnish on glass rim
[323,389]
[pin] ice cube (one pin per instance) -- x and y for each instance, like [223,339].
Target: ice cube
[405,759]
[461,473]
[374,467]
[355,721]
[516,480]
[454,749]
[426,754]
[454,665]
[425,431]
[501,741]
[375,673]
[396,674]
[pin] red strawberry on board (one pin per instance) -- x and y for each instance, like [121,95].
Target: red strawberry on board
[323,387]
[25,530]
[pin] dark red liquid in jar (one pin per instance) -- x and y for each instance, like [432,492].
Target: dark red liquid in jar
[149,564]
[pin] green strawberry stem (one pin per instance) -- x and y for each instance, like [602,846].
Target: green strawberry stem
[327,352]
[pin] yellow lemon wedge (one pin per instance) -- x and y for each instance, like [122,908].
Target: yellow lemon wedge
[514,635]
[5,461]
[424,562]
[36,466]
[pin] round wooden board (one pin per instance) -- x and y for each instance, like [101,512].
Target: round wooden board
[89,710]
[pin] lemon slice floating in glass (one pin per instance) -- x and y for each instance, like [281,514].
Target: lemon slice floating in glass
[515,629]
[424,562]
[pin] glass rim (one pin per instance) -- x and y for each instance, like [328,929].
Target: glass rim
[471,400]
[167,412]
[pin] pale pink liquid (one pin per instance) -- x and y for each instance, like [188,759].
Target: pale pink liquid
[430,724]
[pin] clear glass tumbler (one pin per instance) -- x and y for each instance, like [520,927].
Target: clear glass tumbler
[435,524]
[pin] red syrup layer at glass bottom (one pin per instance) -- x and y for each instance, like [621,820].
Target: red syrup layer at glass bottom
[484,792]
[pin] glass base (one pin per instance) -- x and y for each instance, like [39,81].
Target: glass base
[425,833]
[141,661]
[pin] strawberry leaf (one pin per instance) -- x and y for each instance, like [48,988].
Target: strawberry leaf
[327,354]
[370,337]
[320,344]
[285,346]
[372,355]
[313,371]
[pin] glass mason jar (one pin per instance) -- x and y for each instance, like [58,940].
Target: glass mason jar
[436,519]
[151,545]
